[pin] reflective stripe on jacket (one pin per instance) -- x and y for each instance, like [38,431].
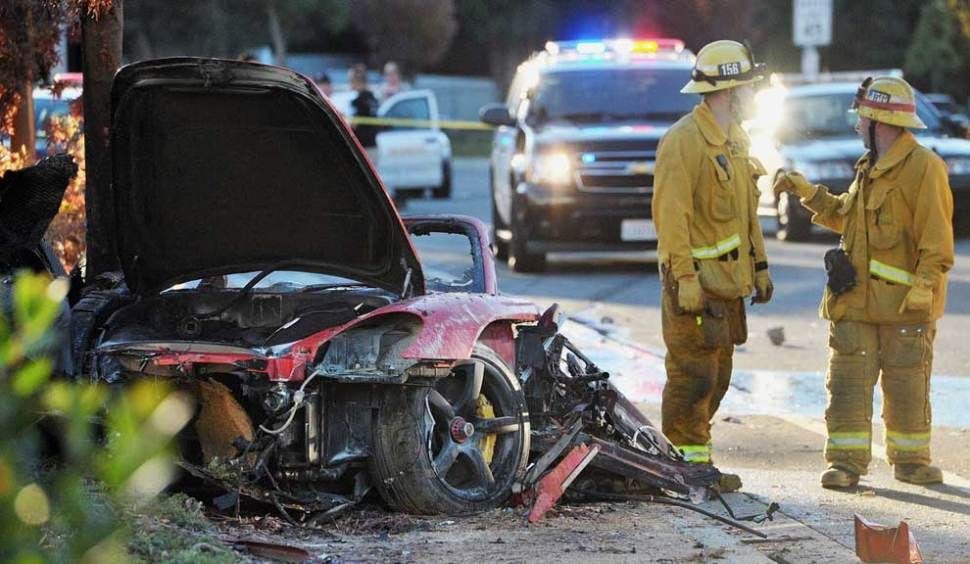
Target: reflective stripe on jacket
[705,204]
[896,221]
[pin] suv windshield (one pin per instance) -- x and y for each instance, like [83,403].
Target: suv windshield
[597,95]
[828,115]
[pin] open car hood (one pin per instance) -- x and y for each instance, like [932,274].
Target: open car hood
[225,166]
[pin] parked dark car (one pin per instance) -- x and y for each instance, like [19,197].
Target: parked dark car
[813,132]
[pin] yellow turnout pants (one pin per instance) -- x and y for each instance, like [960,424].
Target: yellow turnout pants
[699,361]
[860,353]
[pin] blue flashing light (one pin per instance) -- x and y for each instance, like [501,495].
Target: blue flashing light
[591,47]
[588,158]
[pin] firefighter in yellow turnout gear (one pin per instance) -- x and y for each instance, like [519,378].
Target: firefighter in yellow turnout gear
[897,233]
[711,249]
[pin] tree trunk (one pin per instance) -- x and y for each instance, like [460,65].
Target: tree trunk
[276,32]
[24,137]
[102,56]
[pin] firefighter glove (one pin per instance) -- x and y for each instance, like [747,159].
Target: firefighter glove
[690,297]
[919,297]
[795,183]
[763,288]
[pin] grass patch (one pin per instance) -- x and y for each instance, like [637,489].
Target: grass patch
[470,143]
[175,529]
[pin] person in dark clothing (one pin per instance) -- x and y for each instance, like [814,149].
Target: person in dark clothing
[364,105]
[324,84]
[29,200]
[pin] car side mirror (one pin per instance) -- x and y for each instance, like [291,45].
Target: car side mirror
[497,115]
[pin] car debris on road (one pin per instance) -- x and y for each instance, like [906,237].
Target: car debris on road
[574,409]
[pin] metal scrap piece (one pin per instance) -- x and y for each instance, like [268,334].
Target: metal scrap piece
[551,487]
[689,480]
[308,503]
[550,456]
[272,551]
[221,421]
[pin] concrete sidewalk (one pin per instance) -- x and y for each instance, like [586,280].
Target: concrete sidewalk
[779,457]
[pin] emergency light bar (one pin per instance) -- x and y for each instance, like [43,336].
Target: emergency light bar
[622,46]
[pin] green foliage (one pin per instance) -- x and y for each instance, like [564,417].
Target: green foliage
[931,57]
[174,529]
[470,143]
[70,511]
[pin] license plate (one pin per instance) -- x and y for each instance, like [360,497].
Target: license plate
[637,230]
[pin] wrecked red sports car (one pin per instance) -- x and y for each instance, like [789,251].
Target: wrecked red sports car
[265,270]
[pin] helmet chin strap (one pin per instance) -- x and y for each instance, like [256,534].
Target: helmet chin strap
[872,142]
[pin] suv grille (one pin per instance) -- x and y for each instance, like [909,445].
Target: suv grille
[616,167]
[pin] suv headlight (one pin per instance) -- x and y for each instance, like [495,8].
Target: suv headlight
[555,167]
[958,165]
[818,170]
[373,351]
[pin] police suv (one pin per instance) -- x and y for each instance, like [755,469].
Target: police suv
[572,159]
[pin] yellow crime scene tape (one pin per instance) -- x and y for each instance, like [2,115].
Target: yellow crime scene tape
[404,122]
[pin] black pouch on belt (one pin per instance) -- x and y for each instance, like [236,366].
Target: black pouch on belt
[842,277]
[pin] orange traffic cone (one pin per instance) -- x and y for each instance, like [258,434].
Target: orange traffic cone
[879,543]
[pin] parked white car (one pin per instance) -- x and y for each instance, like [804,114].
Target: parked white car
[410,159]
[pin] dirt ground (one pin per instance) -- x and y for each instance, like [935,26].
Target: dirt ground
[778,460]
[575,533]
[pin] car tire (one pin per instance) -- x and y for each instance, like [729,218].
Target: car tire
[792,221]
[500,247]
[423,463]
[520,258]
[443,191]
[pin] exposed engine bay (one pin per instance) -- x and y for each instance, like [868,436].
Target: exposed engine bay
[246,319]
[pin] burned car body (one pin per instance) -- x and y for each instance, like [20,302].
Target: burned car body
[265,270]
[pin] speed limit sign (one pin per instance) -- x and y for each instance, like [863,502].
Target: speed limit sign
[812,22]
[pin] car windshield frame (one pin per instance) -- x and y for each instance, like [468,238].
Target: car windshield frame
[281,281]
[611,94]
[924,109]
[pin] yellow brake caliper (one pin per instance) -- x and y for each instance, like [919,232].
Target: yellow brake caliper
[486,411]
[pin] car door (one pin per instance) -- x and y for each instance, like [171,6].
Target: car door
[505,146]
[409,155]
